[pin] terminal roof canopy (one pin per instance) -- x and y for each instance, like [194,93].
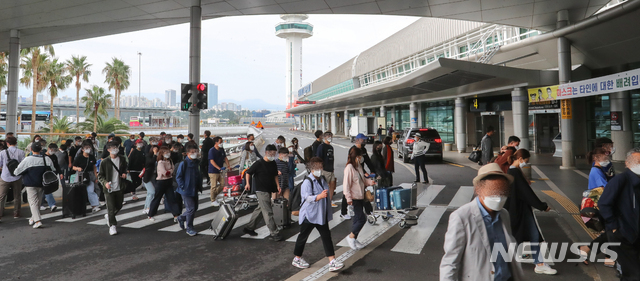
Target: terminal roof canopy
[54,21]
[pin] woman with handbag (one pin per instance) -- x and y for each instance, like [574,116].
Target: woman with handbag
[86,172]
[315,213]
[32,170]
[165,185]
[354,183]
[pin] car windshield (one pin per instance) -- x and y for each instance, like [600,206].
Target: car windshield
[426,134]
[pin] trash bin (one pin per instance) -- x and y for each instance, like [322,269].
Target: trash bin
[447,146]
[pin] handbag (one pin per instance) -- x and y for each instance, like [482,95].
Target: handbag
[368,196]
[50,180]
[476,154]
[125,184]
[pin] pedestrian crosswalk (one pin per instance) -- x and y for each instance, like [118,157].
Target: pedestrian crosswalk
[412,241]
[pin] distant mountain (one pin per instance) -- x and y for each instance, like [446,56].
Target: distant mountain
[254,104]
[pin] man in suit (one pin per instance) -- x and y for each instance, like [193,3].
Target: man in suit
[486,145]
[476,227]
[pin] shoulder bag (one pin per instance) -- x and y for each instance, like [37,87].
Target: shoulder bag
[476,154]
[12,164]
[125,184]
[50,180]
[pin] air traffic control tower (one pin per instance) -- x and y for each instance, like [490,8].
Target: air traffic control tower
[294,29]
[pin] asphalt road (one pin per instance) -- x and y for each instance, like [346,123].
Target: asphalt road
[82,249]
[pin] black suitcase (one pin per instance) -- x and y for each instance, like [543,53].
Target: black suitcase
[281,213]
[224,221]
[74,198]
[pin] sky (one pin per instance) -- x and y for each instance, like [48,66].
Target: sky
[241,55]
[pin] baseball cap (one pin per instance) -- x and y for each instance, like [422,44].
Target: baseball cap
[491,169]
[418,135]
[361,136]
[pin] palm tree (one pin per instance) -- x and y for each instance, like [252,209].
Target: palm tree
[59,125]
[57,79]
[97,103]
[100,126]
[117,76]
[33,64]
[3,72]
[78,67]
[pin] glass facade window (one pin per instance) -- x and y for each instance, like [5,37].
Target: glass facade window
[598,119]
[401,118]
[333,90]
[463,50]
[294,26]
[635,117]
[439,115]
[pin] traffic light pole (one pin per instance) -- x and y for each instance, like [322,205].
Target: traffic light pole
[194,65]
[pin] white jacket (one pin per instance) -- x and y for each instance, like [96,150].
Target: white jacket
[420,148]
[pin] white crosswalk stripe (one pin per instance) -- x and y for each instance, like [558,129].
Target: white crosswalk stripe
[160,218]
[315,234]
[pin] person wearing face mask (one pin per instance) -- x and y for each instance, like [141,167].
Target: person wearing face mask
[73,150]
[378,164]
[216,158]
[32,169]
[265,173]
[87,142]
[51,154]
[113,170]
[248,156]
[252,139]
[468,247]
[136,165]
[63,160]
[326,152]
[85,167]
[149,177]
[207,144]
[279,143]
[164,185]
[36,138]
[419,149]
[283,172]
[168,141]
[512,146]
[387,155]
[619,205]
[607,145]
[129,144]
[153,141]
[180,139]
[315,213]
[520,203]
[189,181]
[354,183]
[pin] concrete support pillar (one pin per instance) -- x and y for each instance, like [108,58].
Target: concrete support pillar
[14,76]
[412,115]
[334,122]
[194,65]
[520,105]
[460,119]
[315,122]
[382,114]
[622,137]
[361,112]
[346,123]
[564,74]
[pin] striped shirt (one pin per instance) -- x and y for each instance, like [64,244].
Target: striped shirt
[283,167]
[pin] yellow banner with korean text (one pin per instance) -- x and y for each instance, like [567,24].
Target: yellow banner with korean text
[541,94]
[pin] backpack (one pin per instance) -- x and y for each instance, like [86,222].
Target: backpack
[308,153]
[12,164]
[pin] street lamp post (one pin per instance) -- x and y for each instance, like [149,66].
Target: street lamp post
[139,79]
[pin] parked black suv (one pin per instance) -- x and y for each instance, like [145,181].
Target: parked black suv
[405,143]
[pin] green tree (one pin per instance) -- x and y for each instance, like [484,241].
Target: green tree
[34,62]
[97,102]
[100,126]
[78,67]
[60,126]
[117,76]
[56,77]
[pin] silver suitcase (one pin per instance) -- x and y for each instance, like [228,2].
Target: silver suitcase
[223,223]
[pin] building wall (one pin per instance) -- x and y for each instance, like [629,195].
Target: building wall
[508,125]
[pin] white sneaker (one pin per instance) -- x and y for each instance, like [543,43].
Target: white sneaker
[335,265]
[102,203]
[300,263]
[545,269]
[42,208]
[215,204]
[95,209]
[358,244]
[345,217]
[106,217]
[352,243]
[37,225]
[112,230]
[145,211]
[152,219]
[31,221]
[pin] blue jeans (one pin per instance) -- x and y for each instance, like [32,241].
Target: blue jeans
[151,192]
[50,200]
[91,193]
[191,206]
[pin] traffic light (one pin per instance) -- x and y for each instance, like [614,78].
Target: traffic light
[201,96]
[185,97]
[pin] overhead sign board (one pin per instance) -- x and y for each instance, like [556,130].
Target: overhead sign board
[306,89]
[623,81]
[305,102]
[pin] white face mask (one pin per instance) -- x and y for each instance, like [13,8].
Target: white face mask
[495,202]
[604,163]
[523,164]
[517,147]
[193,155]
[252,147]
[167,155]
[113,151]
[328,140]
[317,173]
[167,140]
[87,150]
[139,145]
[271,158]
[154,143]
[613,150]
[360,159]
[635,170]
[284,159]
[290,149]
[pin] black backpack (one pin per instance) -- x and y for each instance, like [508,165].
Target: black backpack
[12,164]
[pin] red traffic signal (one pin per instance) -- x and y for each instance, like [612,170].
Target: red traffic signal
[201,87]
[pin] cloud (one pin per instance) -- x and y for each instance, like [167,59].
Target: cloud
[241,55]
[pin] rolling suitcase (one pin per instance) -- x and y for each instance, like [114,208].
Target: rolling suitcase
[400,199]
[74,198]
[382,198]
[224,221]
[281,213]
